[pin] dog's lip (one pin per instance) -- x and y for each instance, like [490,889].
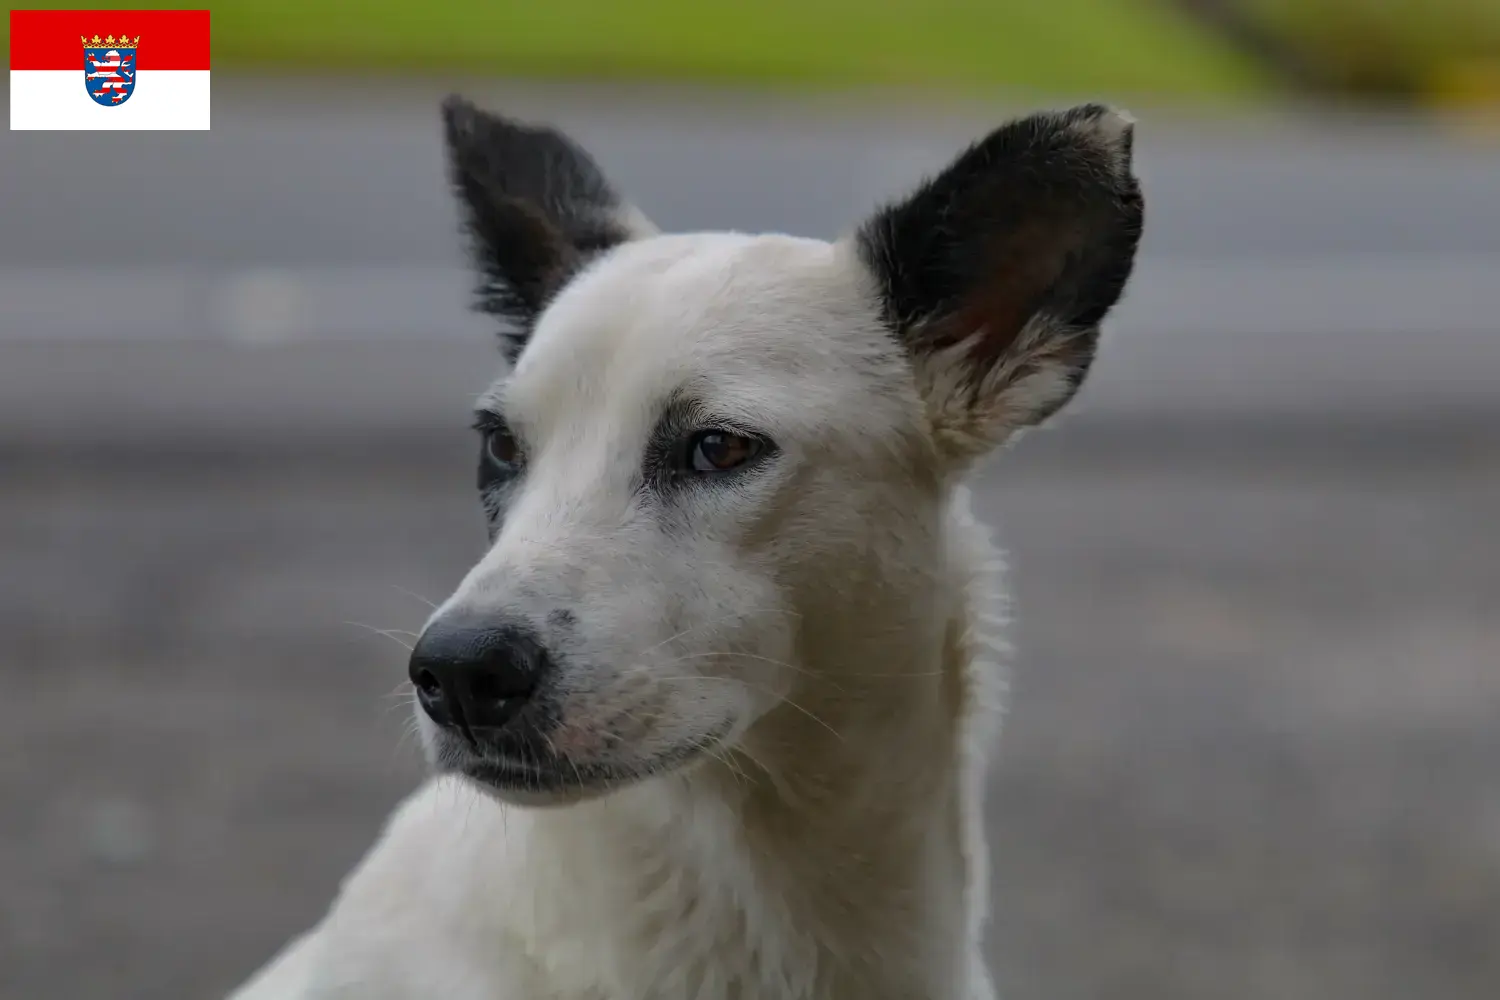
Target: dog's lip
[561,774]
[506,774]
[506,764]
[498,762]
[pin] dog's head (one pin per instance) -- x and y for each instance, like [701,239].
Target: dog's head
[712,455]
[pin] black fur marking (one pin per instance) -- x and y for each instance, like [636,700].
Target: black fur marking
[494,501]
[663,469]
[1040,220]
[536,208]
[497,482]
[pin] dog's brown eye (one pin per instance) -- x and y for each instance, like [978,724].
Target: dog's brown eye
[500,446]
[720,451]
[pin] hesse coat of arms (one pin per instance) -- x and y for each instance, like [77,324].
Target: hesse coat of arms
[109,68]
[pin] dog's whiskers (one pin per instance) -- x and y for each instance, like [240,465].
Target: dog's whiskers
[780,698]
[389,633]
[718,621]
[748,656]
[410,733]
[414,594]
[398,700]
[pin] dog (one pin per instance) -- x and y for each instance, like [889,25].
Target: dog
[710,719]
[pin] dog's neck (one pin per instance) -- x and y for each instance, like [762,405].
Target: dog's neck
[833,851]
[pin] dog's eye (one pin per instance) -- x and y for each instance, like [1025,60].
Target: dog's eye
[720,451]
[500,446]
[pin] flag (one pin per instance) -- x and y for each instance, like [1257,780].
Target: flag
[109,69]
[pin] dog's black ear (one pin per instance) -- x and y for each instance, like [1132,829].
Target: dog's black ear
[536,207]
[996,273]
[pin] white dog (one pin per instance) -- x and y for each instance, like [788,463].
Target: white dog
[711,717]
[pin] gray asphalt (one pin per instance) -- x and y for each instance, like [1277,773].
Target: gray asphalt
[1252,748]
[298,173]
[1289,263]
[1309,265]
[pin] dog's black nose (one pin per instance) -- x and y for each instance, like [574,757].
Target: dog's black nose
[475,677]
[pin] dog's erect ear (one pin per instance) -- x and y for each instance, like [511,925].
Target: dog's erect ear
[996,274]
[536,206]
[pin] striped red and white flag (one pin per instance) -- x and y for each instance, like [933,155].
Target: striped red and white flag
[109,69]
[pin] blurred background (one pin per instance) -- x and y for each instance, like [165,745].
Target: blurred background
[1253,750]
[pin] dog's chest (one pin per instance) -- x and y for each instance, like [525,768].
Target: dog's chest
[659,914]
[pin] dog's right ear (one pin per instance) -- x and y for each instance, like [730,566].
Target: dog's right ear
[536,207]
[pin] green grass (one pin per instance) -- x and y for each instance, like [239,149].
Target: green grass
[1392,48]
[1115,46]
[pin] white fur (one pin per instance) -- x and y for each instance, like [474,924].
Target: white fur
[826,636]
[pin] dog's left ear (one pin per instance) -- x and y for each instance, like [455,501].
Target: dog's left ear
[537,208]
[996,274]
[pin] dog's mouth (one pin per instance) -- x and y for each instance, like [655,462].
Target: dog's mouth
[541,777]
